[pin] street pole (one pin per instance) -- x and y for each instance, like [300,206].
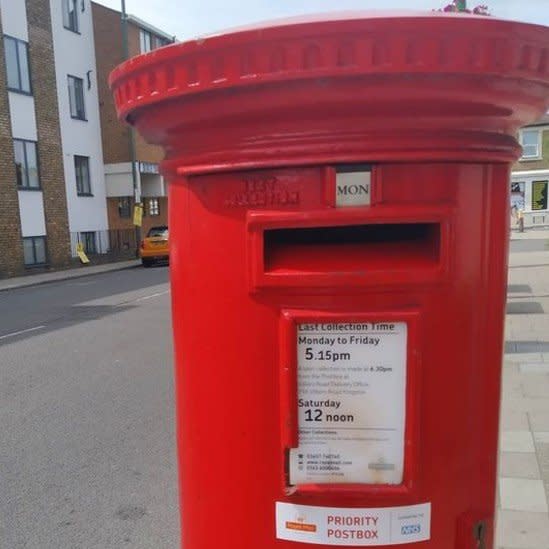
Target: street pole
[135,180]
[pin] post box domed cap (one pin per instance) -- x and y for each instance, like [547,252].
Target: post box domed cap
[451,71]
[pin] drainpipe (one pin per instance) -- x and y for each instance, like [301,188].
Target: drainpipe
[135,175]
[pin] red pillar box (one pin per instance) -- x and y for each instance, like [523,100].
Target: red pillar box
[339,216]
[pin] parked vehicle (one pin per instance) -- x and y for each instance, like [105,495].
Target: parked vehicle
[155,246]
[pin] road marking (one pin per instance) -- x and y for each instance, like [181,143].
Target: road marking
[13,334]
[145,297]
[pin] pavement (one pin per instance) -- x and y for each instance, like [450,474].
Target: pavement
[523,484]
[66,274]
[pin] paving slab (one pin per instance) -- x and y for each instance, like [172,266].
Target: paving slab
[523,483]
[519,465]
[522,530]
[517,441]
[522,494]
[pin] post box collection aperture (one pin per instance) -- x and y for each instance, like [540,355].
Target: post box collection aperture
[339,210]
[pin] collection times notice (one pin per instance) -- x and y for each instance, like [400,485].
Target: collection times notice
[351,402]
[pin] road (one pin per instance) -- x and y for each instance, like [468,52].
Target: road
[87,458]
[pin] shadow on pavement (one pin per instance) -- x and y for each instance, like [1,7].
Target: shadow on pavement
[512,347]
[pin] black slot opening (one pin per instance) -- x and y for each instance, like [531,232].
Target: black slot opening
[350,234]
[352,247]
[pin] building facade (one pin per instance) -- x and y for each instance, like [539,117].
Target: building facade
[52,177]
[530,175]
[76,78]
[131,165]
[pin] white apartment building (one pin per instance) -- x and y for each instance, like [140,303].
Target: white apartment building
[76,75]
[53,180]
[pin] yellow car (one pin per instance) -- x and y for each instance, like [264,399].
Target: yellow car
[155,246]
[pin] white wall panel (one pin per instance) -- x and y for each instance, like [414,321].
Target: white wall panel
[23,119]
[75,56]
[14,18]
[31,211]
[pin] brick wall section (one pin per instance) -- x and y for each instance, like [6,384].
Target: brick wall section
[115,221]
[121,223]
[11,247]
[147,153]
[542,164]
[143,151]
[52,177]
[109,53]
[134,45]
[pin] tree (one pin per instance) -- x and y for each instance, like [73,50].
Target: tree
[460,6]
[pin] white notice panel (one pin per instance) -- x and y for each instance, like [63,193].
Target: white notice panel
[365,527]
[353,189]
[351,402]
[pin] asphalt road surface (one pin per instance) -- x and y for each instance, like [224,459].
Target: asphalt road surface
[87,451]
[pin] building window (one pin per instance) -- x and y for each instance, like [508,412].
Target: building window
[17,65]
[125,207]
[82,170]
[517,195]
[531,144]
[34,250]
[26,164]
[70,15]
[539,195]
[145,41]
[76,98]
[159,42]
[149,41]
[153,207]
[89,242]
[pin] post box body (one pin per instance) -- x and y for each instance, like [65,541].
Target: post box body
[448,284]
[338,266]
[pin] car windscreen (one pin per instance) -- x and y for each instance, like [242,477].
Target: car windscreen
[158,231]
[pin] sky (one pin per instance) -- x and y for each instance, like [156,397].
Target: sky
[187,19]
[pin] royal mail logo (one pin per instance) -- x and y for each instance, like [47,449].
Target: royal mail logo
[300,526]
[410,529]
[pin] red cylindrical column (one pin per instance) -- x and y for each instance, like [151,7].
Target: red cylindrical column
[339,195]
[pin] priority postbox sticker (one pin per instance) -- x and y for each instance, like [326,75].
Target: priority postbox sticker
[343,526]
[351,403]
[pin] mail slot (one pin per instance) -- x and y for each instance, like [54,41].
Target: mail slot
[338,223]
[350,247]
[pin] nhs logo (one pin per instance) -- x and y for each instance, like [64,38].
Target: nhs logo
[410,529]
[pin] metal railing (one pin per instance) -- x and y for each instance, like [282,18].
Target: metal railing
[106,245]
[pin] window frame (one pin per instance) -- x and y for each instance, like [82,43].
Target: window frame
[538,155]
[17,42]
[46,255]
[84,237]
[160,41]
[153,212]
[65,7]
[71,77]
[128,200]
[143,33]
[26,186]
[153,40]
[545,183]
[86,189]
